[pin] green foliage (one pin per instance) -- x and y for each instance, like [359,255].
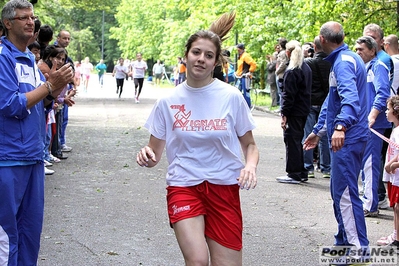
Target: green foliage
[160,28]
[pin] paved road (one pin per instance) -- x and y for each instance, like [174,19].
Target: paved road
[103,209]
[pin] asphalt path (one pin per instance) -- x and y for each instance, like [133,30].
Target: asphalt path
[101,208]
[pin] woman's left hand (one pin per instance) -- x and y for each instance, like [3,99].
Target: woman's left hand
[247,178]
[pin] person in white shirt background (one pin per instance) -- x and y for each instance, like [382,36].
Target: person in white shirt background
[137,69]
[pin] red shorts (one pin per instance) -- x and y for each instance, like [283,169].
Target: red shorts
[393,194]
[220,205]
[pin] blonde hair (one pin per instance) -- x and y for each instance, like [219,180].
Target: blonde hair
[296,58]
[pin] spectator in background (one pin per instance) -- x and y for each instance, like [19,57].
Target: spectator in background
[55,55]
[320,87]
[35,49]
[176,75]
[391,175]
[101,68]
[295,106]
[246,66]
[63,40]
[376,32]
[44,38]
[308,50]
[181,66]
[391,48]
[378,91]
[271,74]
[228,68]
[281,65]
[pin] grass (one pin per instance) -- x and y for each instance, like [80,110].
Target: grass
[263,99]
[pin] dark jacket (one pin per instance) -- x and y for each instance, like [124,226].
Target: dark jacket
[320,77]
[295,93]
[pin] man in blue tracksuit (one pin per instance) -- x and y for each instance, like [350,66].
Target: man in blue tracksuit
[24,94]
[344,117]
[378,91]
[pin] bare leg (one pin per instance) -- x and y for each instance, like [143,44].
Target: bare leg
[190,236]
[223,256]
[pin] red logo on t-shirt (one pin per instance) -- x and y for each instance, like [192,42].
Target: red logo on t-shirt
[182,121]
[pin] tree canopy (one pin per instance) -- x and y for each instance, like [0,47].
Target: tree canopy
[159,29]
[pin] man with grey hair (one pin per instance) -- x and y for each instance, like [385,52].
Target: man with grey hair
[375,31]
[344,117]
[378,91]
[25,94]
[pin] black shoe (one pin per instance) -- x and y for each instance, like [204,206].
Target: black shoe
[393,247]
[304,179]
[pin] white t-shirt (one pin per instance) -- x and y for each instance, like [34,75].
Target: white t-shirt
[139,68]
[395,80]
[392,152]
[86,68]
[201,129]
[120,71]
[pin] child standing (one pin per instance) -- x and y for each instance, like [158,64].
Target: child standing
[391,175]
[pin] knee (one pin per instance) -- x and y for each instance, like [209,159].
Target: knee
[197,261]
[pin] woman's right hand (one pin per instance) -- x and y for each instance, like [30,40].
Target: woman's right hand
[144,155]
[60,78]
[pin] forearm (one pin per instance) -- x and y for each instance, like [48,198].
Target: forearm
[252,155]
[37,95]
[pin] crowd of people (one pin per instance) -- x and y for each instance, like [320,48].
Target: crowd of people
[337,106]
[28,96]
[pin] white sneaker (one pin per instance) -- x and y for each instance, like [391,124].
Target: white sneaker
[48,171]
[65,148]
[47,163]
[385,240]
[137,100]
[54,159]
[383,204]
[287,179]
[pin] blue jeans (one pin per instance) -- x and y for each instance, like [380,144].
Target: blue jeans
[47,143]
[278,90]
[324,149]
[64,124]
[243,85]
[101,79]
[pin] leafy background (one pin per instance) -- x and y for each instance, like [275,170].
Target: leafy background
[160,28]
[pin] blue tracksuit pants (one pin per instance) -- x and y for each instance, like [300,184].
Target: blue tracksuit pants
[21,213]
[371,171]
[348,208]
